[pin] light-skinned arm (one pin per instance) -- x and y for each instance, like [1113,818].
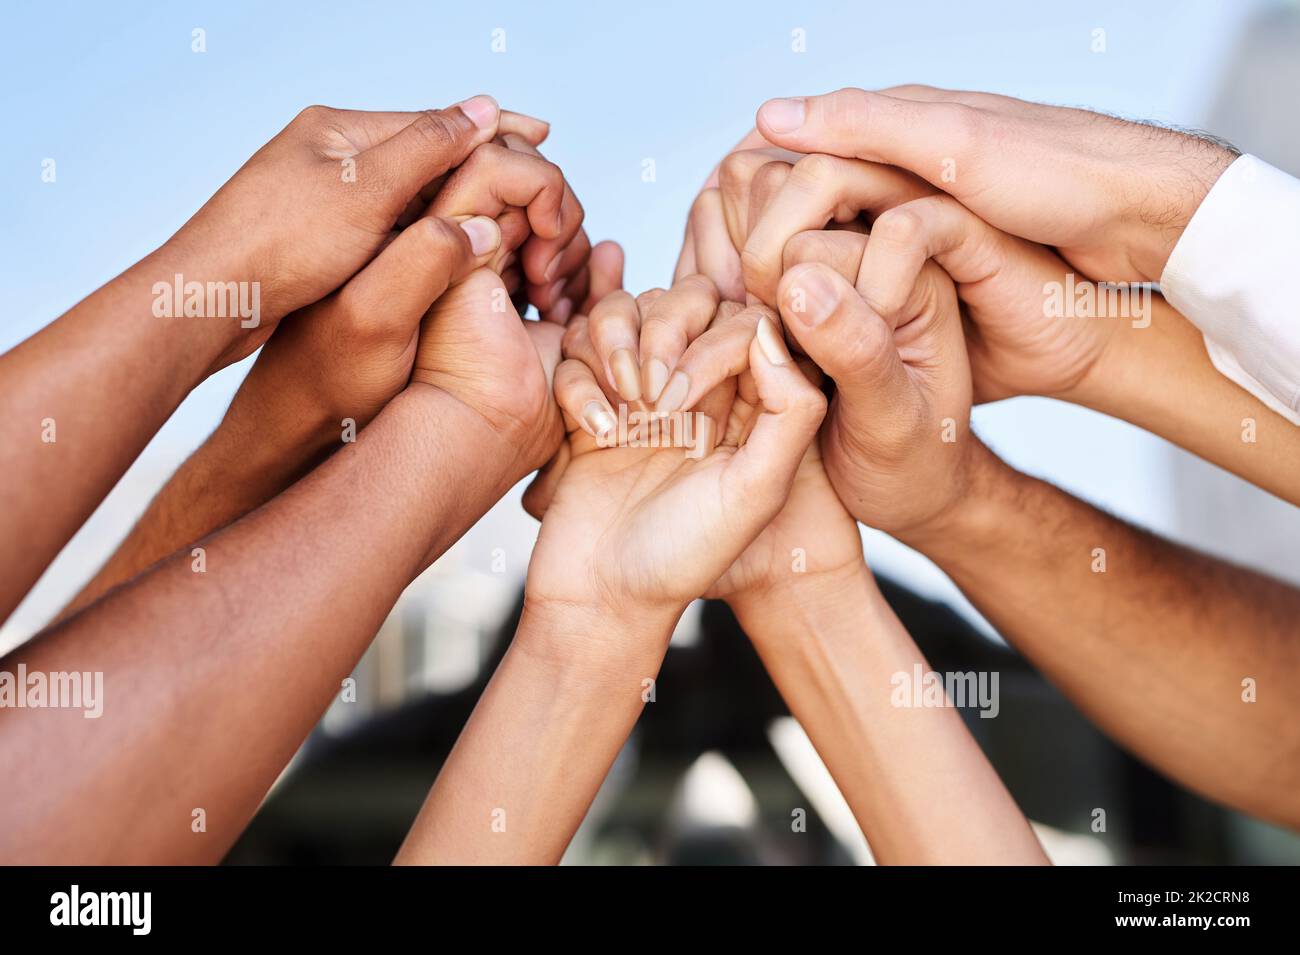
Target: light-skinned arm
[632,534]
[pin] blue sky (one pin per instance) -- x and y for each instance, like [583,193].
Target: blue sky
[143,130]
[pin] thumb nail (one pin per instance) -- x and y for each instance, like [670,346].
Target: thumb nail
[481,110]
[783,115]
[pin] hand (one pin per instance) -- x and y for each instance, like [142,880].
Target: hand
[653,527]
[1112,196]
[321,199]
[897,442]
[1017,344]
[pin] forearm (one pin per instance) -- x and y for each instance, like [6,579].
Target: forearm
[920,787]
[213,679]
[1160,378]
[235,471]
[1153,641]
[541,739]
[82,398]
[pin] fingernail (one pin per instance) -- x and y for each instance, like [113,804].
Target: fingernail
[812,297]
[555,288]
[599,419]
[552,267]
[674,394]
[771,343]
[484,234]
[656,376]
[627,377]
[784,115]
[481,110]
[561,311]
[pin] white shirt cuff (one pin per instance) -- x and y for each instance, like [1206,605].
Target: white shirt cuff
[1232,275]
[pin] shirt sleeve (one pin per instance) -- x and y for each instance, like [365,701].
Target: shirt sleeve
[1233,274]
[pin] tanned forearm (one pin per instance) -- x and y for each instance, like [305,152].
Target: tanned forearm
[916,780]
[1186,660]
[541,739]
[212,680]
[231,474]
[83,397]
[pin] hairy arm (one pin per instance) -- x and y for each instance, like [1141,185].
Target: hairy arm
[1153,641]
[920,787]
[212,680]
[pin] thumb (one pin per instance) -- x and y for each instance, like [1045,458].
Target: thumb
[413,271]
[434,141]
[762,470]
[841,333]
[854,123]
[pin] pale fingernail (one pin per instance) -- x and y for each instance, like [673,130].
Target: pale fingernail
[656,376]
[784,115]
[600,420]
[627,377]
[555,288]
[812,297]
[484,234]
[561,311]
[674,394]
[482,111]
[771,343]
[553,267]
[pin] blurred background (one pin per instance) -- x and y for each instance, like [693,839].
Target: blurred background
[143,130]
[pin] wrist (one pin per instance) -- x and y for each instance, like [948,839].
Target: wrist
[972,521]
[1181,187]
[594,641]
[804,605]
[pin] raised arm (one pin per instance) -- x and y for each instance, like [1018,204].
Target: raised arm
[85,394]
[632,534]
[211,680]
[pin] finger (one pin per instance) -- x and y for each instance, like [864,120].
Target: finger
[542,252]
[576,344]
[904,238]
[751,140]
[842,251]
[761,472]
[912,133]
[768,181]
[615,329]
[413,271]
[431,143]
[573,257]
[735,177]
[538,495]
[715,254]
[606,267]
[686,258]
[847,340]
[495,177]
[818,190]
[719,353]
[529,128]
[670,322]
[583,402]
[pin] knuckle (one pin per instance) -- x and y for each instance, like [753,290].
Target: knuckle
[437,130]
[314,115]
[901,226]
[817,167]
